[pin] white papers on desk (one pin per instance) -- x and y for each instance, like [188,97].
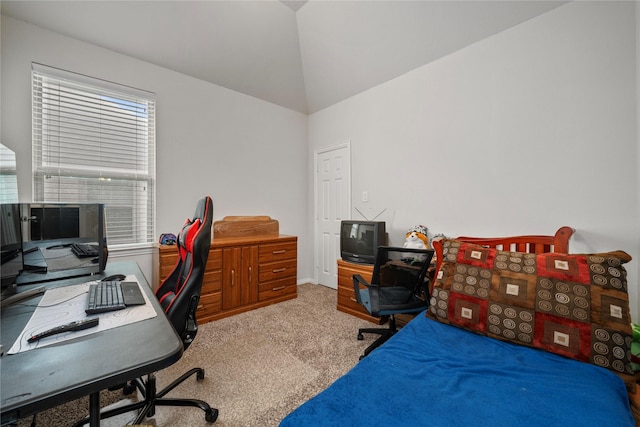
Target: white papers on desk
[66,304]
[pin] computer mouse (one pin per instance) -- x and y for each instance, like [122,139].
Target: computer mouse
[119,277]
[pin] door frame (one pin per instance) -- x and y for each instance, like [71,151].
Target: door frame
[346,144]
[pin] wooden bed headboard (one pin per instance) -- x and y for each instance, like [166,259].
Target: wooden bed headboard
[558,243]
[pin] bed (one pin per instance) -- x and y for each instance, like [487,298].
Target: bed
[501,351]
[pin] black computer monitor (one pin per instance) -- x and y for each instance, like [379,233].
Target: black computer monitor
[10,244]
[50,232]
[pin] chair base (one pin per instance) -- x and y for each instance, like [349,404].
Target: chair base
[385,334]
[153,398]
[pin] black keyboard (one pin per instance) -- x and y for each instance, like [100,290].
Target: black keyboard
[83,250]
[105,296]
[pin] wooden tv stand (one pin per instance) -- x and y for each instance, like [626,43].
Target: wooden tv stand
[346,296]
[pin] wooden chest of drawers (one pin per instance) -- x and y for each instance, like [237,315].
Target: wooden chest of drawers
[242,273]
[346,295]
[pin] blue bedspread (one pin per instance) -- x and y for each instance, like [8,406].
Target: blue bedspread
[432,374]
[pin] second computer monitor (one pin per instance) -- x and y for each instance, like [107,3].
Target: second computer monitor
[64,237]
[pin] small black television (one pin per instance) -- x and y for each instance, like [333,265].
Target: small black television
[359,240]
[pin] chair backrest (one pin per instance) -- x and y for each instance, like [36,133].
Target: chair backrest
[179,293]
[403,267]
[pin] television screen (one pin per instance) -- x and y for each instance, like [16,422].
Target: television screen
[359,240]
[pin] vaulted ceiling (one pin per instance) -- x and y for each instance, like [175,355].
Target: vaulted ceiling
[302,55]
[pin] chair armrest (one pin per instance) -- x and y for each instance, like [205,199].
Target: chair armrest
[366,297]
[357,281]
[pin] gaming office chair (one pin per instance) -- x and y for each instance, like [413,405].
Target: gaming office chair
[398,286]
[178,295]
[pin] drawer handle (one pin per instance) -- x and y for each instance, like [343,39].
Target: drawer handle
[233,278]
[353,299]
[279,270]
[200,306]
[278,252]
[279,288]
[249,274]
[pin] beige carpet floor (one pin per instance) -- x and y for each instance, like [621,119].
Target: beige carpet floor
[259,365]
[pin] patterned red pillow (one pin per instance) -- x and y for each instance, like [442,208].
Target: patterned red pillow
[573,305]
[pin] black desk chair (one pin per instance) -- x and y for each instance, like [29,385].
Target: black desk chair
[178,295]
[398,286]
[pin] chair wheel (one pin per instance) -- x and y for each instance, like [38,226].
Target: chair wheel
[200,375]
[211,416]
[360,336]
[129,388]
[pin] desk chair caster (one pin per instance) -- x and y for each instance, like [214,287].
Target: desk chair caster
[385,334]
[360,338]
[152,397]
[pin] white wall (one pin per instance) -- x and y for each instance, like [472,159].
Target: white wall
[249,155]
[523,132]
[638,128]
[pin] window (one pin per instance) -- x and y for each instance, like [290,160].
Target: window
[94,142]
[8,176]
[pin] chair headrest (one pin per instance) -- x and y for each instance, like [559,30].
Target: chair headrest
[201,208]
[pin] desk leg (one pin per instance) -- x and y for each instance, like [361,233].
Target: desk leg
[94,409]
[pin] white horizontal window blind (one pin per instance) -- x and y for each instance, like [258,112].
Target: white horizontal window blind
[94,142]
[8,176]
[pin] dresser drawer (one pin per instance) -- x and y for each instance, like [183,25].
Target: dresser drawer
[210,304]
[278,270]
[347,297]
[278,252]
[212,282]
[345,275]
[214,262]
[277,288]
[167,263]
